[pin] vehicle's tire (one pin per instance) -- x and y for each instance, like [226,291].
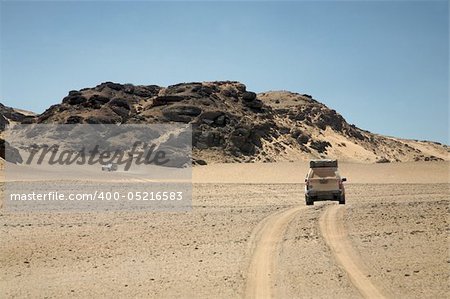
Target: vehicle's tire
[342,200]
[309,201]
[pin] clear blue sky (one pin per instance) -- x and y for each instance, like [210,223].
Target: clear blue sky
[382,64]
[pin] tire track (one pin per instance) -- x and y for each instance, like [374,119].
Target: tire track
[335,234]
[265,244]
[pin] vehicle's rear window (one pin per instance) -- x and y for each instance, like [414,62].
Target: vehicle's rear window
[323,172]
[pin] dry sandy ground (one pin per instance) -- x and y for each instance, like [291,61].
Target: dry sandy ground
[249,234]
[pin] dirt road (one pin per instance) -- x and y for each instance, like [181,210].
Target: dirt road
[334,232]
[264,243]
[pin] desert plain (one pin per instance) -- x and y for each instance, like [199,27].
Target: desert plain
[249,234]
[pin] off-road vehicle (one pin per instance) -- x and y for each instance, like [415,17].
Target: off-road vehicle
[323,182]
[110,167]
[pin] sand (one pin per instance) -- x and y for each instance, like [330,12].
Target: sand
[395,223]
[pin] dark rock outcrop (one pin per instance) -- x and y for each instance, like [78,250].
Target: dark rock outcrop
[164,100]
[11,114]
[319,145]
[3,123]
[249,96]
[9,153]
[229,122]
[302,139]
[181,113]
[74,119]
[383,160]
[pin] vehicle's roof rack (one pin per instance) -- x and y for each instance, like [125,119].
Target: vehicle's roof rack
[323,163]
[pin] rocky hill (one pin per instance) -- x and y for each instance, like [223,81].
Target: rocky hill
[231,124]
[9,116]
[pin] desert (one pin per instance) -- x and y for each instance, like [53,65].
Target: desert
[224,149]
[246,232]
[248,235]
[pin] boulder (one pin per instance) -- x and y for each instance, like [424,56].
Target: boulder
[354,132]
[208,139]
[229,92]
[99,99]
[256,104]
[114,86]
[122,112]
[249,96]
[221,120]
[190,90]
[264,129]
[120,107]
[74,119]
[302,139]
[119,102]
[93,120]
[9,153]
[164,100]
[214,139]
[383,160]
[181,113]
[74,100]
[3,123]
[241,138]
[182,87]
[295,133]
[217,118]
[239,86]
[146,91]
[284,130]
[199,162]
[74,93]
[320,146]
[203,90]
[331,119]
[296,115]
